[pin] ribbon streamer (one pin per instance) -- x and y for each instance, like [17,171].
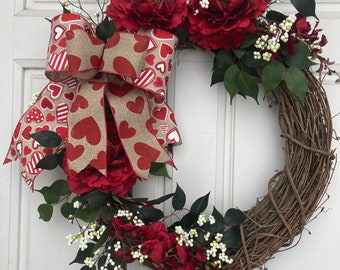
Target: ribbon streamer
[130,73]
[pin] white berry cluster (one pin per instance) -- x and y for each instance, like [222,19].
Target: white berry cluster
[34,99]
[130,217]
[203,4]
[109,261]
[90,232]
[270,43]
[202,220]
[136,254]
[185,238]
[217,251]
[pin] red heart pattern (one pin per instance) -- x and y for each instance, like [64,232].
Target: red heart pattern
[136,106]
[80,130]
[147,155]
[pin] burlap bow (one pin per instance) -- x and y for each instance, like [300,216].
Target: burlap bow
[130,72]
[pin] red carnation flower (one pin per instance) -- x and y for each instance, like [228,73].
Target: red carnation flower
[223,24]
[147,14]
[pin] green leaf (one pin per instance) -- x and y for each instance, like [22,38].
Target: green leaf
[49,162]
[97,198]
[83,254]
[248,41]
[247,85]
[150,214]
[239,52]
[61,187]
[275,16]
[217,76]
[45,211]
[230,81]
[218,226]
[161,199]
[272,75]
[200,205]
[105,29]
[47,138]
[50,195]
[232,238]
[178,201]
[234,217]
[159,169]
[296,82]
[88,214]
[223,59]
[300,58]
[102,239]
[106,213]
[85,267]
[249,61]
[188,220]
[67,210]
[305,7]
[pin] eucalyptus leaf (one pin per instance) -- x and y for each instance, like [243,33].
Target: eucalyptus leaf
[45,211]
[234,217]
[296,82]
[50,195]
[67,210]
[179,198]
[47,138]
[232,238]
[199,205]
[61,187]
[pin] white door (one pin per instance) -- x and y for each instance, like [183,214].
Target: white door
[230,151]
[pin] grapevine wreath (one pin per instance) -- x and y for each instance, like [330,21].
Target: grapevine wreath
[103,118]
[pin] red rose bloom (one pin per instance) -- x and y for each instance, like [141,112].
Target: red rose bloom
[120,176]
[147,14]
[223,24]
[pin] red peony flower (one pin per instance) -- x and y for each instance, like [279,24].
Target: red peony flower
[120,176]
[223,24]
[147,14]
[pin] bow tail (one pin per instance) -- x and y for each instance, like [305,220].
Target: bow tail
[48,112]
[131,111]
[87,139]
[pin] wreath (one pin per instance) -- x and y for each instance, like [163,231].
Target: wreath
[103,118]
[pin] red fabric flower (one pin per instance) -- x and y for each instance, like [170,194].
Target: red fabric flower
[147,14]
[120,176]
[224,24]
